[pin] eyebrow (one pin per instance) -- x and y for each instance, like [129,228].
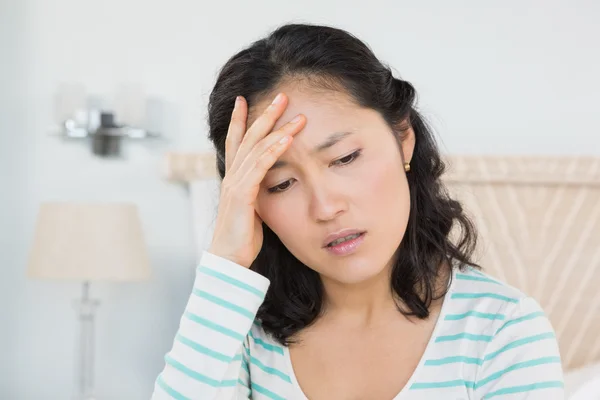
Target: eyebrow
[331,141]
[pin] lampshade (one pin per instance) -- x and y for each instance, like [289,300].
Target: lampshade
[89,242]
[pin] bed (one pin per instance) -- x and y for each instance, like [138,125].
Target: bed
[539,227]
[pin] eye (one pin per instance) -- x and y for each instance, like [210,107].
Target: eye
[281,187]
[347,159]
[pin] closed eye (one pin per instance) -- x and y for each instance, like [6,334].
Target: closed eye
[347,159]
[281,187]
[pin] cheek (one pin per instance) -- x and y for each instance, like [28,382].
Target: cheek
[385,184]
[280,213]
[386,199]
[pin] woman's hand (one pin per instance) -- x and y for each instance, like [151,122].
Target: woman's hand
[248,156]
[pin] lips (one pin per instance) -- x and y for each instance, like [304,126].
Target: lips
[340,234]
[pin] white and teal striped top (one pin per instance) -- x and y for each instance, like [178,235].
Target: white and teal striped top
[490,341]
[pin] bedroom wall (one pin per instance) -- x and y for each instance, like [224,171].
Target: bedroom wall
[14,170]
[510,78]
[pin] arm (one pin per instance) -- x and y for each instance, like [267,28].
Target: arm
[522,361]
[206,360]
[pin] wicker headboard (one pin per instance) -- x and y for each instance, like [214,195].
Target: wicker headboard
[539,226]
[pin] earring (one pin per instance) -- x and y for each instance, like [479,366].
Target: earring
[407,167]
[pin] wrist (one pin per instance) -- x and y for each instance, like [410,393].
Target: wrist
[216,251]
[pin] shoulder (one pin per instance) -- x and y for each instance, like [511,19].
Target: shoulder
[469,279]
[509,305]
[485,305]
[500,334]
[501,314]
[261,342]
[474,290]
[266,359]
[519,351]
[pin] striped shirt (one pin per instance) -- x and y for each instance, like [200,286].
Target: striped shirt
[490,341]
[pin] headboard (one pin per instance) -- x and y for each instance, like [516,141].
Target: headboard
[539,230]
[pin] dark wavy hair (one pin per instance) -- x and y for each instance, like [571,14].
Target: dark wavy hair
[332,58]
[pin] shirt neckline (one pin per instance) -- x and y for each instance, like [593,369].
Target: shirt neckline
[428,349]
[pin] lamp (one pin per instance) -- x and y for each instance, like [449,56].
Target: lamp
[83,117]
[88,242]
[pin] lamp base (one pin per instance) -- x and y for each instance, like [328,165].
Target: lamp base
[84,371]
[85,397]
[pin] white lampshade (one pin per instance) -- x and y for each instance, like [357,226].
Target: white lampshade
[89,242]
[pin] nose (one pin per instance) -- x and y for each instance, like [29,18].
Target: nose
[327,202]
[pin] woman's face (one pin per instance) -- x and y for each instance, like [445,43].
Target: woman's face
[343,175]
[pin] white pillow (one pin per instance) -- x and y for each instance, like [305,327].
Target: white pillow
[583,383]
[589,391]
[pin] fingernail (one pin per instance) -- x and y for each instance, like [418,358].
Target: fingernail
[238,99]
[284,140]
[296,119]
[278,99]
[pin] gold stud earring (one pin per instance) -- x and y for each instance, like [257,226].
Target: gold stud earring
[407,167]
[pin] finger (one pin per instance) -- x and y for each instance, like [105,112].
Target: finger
[268,151]
[236,131]
[261,165]
[267,143]
[262,126]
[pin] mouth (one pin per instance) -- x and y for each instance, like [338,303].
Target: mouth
[344,239]
[344,242]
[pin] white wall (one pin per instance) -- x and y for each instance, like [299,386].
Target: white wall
[508,78]
[14,170]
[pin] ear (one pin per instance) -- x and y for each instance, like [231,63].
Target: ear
[407,141]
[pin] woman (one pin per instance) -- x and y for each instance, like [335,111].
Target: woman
[332,273]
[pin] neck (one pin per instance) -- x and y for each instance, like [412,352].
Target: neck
[360,304]
[369,303]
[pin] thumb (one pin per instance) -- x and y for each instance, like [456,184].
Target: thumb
[258,218]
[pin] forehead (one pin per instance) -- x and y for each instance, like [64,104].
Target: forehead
[326,111]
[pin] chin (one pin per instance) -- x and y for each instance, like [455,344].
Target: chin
[353,272]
